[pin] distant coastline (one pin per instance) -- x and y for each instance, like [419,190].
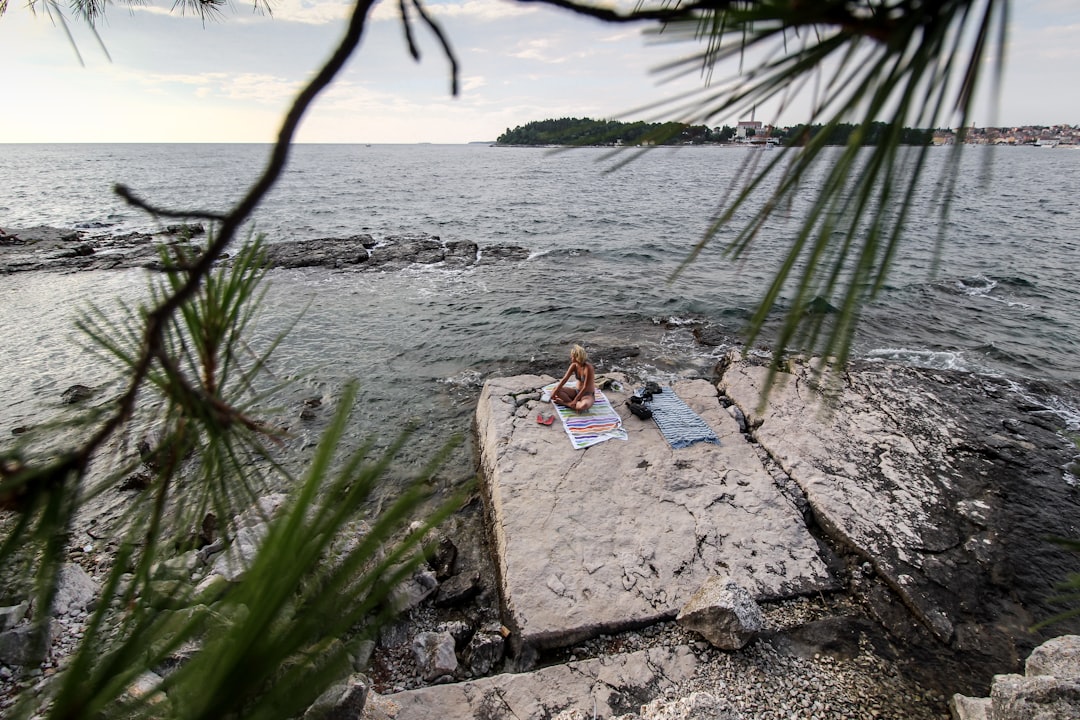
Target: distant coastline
[610,133]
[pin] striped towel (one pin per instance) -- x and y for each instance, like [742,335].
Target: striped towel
[679,425]
[595,425]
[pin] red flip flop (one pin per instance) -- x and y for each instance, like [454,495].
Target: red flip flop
[545,419]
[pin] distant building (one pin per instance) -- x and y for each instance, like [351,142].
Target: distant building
[748,128]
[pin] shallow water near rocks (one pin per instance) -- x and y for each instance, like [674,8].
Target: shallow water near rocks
[603,249]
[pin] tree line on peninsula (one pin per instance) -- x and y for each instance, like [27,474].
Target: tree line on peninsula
[586,131]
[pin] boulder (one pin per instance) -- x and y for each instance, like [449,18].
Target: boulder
[1058,657]
[724,613]
[1016,697]
[963,707]
[240,552]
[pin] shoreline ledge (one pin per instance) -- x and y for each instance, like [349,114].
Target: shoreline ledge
[621,534]
[924,498]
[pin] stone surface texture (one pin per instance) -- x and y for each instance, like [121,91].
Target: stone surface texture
[724,613]
[601,687]
[942,482]
[1048,690]
[624,532]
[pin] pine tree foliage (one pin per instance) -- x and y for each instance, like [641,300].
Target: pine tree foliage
[266,647]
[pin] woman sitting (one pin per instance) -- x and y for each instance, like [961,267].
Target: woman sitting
[582,397]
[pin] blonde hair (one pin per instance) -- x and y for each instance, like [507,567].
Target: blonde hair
[578,355]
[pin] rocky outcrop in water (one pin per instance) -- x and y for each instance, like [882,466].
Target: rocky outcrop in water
[52,249]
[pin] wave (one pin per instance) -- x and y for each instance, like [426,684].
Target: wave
[934,359]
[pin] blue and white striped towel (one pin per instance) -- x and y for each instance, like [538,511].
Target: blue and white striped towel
[679,425]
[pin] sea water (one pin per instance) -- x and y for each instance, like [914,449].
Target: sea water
[999,296]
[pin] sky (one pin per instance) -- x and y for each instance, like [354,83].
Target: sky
[160,75]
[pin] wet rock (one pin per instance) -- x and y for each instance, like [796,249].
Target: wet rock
[502,253]
[76,394]
[724,613]
[186,229]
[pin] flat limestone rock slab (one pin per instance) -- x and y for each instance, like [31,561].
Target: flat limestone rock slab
[609,686]
[948,484]
[621,534]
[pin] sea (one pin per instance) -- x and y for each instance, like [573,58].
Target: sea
[992,291]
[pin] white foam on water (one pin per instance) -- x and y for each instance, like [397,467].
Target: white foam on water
[935,359]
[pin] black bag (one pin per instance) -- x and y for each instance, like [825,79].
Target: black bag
[637,407]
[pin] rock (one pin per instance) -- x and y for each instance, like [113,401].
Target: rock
[327,252]
[1050,690]
[443,559]
[20,646]
[342,701]
[460,630]
[963,707]
[240,552]
[12,615]
[186,229]
[911,470]
[484,652]
[696,706]
[46,248]
[621,534]
[724,613]
[435,654]
[501,253]
[1058,657]
[603,687]
[413,590]
[76,394]
[836,637]
[80,250]
[458,590]
[1016,697]
[75,592]
[146,688]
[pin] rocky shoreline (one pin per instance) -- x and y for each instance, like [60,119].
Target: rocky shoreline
[932,496]
[48,249]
